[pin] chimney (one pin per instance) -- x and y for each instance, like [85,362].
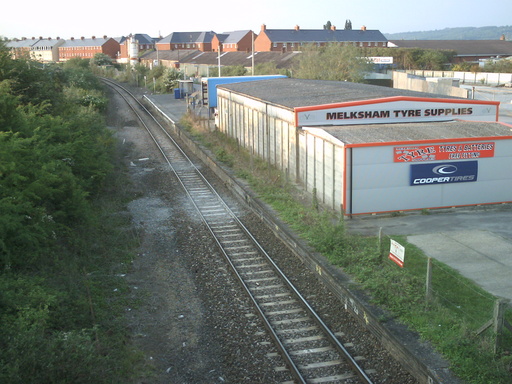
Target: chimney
[49,38]
[333,27]
[33,38]
[105,37]
[363,28]
[94,37]
[263,27]
[82,38]
[72,38]
[40,37]
[297,27]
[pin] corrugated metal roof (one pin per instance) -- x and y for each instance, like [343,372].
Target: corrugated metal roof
[324,35]
[291,93]
[385,133]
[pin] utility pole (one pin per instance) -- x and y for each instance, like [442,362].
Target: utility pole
[252,56]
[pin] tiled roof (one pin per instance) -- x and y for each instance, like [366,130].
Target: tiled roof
[47,43]
[188,37]
[462,47]
[24,43]
[83,42]
[142,38]
[235,37]
[323,35]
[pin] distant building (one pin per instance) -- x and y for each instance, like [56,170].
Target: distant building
[284,40]
[87,48]
[466,50]
[43,50]
[237,41]
[201,41]
[144,43]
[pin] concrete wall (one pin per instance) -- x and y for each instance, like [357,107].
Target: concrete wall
[322,163]
[265,130]
[478,78]
[402,80]
[309,157]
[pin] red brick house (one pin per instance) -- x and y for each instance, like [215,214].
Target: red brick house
[237,41]
[87,48]
[283,40]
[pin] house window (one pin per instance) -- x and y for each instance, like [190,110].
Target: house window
[275,44]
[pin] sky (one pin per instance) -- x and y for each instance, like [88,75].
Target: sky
[65,19]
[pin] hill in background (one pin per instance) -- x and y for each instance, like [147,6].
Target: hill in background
[461,33]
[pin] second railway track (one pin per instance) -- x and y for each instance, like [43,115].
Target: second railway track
[312,352]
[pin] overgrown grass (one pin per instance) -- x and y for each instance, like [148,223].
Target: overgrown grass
[449,321]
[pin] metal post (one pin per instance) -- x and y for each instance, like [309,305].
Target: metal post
[428,294]
[499,318]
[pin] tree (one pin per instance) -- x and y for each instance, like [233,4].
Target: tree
[328,25]
[332,62]
[498,66]
[100,59]
[170,79]
[348,25]
[229,70]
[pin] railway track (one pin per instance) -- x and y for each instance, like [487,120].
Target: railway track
[311,351]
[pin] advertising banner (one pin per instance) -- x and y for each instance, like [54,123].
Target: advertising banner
[432,152]
[443,173]
[396,110]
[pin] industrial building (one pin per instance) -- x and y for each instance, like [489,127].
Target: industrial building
[363,149]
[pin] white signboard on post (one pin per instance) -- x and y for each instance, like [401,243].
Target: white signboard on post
[397,253]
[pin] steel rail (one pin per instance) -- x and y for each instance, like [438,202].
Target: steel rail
[295,371]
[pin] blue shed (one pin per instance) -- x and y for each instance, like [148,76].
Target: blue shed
[209,85]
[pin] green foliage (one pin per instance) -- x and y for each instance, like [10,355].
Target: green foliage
[332,62]
[101,59]
[499,66]
[466,67]
[228,70]
[58,322]
[270,68]
[414,58]
[77,63]
[169,79]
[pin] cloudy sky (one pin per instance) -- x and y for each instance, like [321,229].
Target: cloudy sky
[52,18]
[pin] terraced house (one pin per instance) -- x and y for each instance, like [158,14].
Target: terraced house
[283,40]
[87,48]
